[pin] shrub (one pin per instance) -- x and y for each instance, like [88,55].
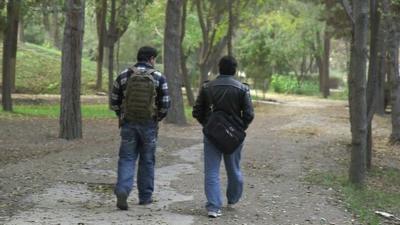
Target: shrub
[289,84]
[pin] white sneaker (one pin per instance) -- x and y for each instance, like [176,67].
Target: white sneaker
[213,214]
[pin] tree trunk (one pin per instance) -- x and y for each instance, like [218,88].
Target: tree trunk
[230,27]
[70,115]
[394,45]
[184,70]
[2,19]
[110,40]
[382,87]
[9,52]
[55,28]
[172,45]
[318,59]
[101,11]
[325,63]
[357,92]
[116,29]
[46,20]
[211,48]
[372,84]
[21,30]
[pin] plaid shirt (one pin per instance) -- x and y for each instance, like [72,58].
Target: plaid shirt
[162,99]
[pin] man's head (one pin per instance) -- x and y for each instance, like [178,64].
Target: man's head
[227,65]
[147,54]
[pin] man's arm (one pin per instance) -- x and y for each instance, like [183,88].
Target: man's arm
[164,101]
[248,110]
[200,108]
[116,96]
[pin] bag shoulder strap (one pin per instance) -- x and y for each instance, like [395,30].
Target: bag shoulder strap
[146,71]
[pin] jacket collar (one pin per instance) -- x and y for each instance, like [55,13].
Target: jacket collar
[144,64]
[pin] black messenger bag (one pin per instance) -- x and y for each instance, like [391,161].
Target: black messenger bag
[224,132]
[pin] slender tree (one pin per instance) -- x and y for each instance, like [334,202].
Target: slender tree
[118,24]
[184,70]
[210,18]
[357,90]
[70,115]
[394,45]
[172,45]
[381,96]
[326,63]
[101,12]
[2,18]
[55,24]
[230,26]
[10,52]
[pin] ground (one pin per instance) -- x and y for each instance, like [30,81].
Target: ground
[46,180]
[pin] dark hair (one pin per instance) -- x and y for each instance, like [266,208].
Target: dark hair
[227,65]
[145,53]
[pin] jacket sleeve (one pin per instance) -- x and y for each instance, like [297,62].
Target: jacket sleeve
[116,96]
[163,99]
[248,110]
[201,107]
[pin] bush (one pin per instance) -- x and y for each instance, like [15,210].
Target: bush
[289,85]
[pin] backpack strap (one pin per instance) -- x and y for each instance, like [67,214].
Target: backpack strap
[146,71]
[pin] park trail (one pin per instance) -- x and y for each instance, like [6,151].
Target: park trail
[50,181]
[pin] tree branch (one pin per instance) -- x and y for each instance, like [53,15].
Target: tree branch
[348,10]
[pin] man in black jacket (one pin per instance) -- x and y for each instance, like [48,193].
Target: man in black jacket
[228,95]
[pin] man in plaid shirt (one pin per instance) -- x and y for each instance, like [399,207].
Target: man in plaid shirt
[138,139]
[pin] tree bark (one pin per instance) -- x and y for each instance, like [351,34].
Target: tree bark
[172,45]
[70,115]
[9,53]
[184,70]
[357,92]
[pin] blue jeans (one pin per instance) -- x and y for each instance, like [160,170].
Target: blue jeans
[212,162]
[137,140]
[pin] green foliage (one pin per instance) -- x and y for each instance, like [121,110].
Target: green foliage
[277,41]
[381,192]
[39,71]
[53,111]
[291,85]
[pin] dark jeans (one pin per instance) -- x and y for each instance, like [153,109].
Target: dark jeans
[137,141]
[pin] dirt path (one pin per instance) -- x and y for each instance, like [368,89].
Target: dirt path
[45,180]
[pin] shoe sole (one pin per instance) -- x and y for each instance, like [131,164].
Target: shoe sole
[216,215]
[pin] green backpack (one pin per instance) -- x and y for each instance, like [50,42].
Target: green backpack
[140,94]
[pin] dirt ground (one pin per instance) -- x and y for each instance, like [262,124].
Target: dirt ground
[45,180]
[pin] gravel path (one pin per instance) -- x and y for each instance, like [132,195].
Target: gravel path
[45,180]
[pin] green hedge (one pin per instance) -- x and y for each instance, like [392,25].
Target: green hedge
[288,84]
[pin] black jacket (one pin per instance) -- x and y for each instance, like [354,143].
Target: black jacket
[225,94]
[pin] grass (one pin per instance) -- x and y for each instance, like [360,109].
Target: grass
[38,71]
[98,111]
[380,192]
[94,111]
